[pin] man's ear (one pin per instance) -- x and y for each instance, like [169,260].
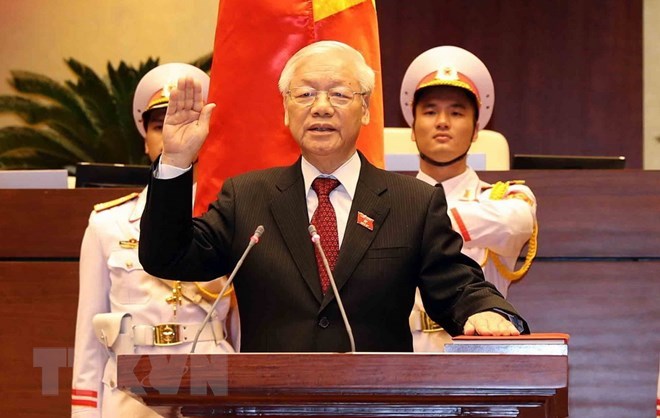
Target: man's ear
[286,112]
[366,116]
[286,116]
[412,131]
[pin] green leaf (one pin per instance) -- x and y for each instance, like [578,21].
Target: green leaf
[19,137]
[89,118]
[43,88]
[204,62]
[100,104]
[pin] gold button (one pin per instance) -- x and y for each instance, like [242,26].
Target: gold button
[129,264]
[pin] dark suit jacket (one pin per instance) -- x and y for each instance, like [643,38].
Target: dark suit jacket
[280,301]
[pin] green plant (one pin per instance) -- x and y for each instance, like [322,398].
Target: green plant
[89,119]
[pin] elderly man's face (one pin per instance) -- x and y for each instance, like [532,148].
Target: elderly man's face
[326,134]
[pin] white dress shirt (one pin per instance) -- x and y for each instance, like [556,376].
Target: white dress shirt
[341,197]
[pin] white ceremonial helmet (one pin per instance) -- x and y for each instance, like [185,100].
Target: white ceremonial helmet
[153,90]
[448,66]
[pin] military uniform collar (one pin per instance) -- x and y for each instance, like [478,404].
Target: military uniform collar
[465,186]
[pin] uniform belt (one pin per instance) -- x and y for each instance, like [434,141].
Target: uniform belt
[421,321]
[170,334]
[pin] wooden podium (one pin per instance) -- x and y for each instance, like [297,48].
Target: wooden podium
[350,385]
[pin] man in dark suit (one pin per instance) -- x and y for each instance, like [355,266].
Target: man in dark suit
[392,231]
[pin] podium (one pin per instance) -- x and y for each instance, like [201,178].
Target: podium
[350,384]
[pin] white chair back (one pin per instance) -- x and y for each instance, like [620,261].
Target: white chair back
[401,152]
[496,148]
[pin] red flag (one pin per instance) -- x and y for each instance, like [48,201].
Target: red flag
[253,41]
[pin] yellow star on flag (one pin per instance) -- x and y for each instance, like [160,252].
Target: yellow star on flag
[325,8]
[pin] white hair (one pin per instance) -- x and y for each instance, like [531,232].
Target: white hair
[365,75]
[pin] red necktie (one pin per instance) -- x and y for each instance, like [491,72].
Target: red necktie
[325,221]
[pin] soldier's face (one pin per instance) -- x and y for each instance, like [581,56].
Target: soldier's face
[153,142]
[444,125]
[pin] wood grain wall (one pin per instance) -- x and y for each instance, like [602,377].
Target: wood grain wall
[596,278]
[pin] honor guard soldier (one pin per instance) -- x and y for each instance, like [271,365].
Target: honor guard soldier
[447,96]
[124,310]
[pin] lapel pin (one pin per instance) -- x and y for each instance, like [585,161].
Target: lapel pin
[365,221]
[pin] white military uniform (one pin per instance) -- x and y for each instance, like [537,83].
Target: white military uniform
[502,226]
[113,284]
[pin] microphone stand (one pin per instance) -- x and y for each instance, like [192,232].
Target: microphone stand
[254,239]
[316,239]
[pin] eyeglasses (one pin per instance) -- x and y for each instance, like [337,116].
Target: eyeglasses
[337,96]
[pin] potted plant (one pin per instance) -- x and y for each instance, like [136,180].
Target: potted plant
[87,119]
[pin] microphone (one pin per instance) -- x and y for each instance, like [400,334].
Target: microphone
[254,239]
[316,239]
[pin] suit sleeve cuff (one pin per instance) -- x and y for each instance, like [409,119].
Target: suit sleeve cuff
[517,321]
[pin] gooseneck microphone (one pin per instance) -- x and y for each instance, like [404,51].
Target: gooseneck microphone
[254,239]
[316,239]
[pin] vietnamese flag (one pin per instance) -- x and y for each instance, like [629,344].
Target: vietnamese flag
[253,41]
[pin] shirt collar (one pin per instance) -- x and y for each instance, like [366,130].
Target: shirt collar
[464,181]
[347,174]
[426,178]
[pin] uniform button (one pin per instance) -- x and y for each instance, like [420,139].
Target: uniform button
[129,264]
[324,322]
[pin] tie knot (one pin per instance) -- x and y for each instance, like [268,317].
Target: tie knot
[324,185]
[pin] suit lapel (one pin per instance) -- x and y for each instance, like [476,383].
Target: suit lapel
[357,238]
[289,210]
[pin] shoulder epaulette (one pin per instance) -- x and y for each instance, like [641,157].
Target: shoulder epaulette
[501,188]
[507,183]
[116,202]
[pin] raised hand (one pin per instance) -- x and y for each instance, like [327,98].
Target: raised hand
[186,123]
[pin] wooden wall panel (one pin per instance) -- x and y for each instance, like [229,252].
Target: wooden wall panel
[568,74]
[611,310]
[47,223]
[38,302]
[593,213]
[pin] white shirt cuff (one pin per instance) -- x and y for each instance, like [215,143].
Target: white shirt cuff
[166,172]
